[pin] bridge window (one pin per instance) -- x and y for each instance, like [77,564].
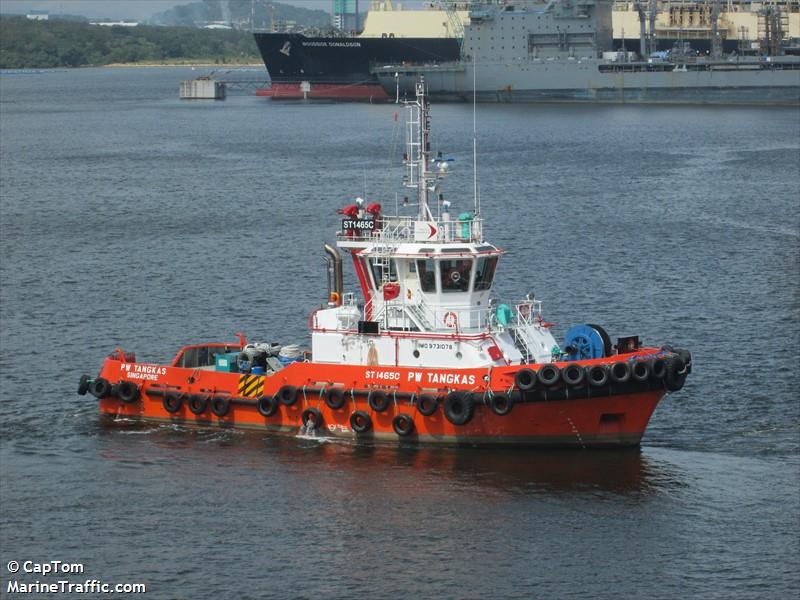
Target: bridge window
[378,269]
[455,274]
[484,272]
[427,275]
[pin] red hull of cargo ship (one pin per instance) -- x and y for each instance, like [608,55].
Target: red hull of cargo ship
[325,91]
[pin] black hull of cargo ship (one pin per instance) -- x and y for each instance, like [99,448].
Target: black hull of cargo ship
[339,68]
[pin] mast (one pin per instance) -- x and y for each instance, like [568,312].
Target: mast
[418,150]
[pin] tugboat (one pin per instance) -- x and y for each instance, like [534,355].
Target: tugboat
[427,356]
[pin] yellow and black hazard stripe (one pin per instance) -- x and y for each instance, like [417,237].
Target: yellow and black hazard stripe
[251,386]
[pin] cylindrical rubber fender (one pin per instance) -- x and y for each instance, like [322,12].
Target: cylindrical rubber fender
[459,408]
[312,416]
[287,395]
[525,379]
[83,384]
[172,402]
[127,391]
[220,405]
[573,375]
[548,375]
[427,405]
[198,403]
[658,368]
[687,358]
[378,400]
[620,372]
[640,371]
[597,375]
[360,421]
[676,374]
[334,397]
[501,404]
[267,405]
[100,388]
[403,425]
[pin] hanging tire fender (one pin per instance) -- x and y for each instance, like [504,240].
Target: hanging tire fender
[548,375]
[313,416]
[676,374]
[403,425]
[287,395]
[267,405]
[360,421]
[220,406]
[658,368]
[334,398]
[378,400]
[100,388]
[640,371]
[83,384]
[172,402]
[501,404]
[525,379]
[128,392]
[198,403]
[427,405]
[459,407]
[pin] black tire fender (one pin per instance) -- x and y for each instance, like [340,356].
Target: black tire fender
[267,405]
[313,416]
[548,375]
[378,400]
[220,405]
[459,407]
[83,384]
[640,371]
[597,375]
[287,395]
[620,372]
[198,403]
[525,379]
[128,392]
[100,388]
[360,421]
[334,398]
[658,368]
[172,401]
[501,404]
[676,374]
[403,425]
[427,405]
[573,375]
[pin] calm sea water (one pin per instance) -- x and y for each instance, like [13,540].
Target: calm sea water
[131,218]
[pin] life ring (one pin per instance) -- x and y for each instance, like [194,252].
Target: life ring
[598,375]
[427,405]
[620,372]
[403,425]
[100,388]
[658,368]
[128,392]
[172,402]
[287,395]
[378,400]
[198,403]
[501,404]
[313,416]
[459,408]
[220,405]
[83,384]
[573,375]
[267,405]
[334,398]
[450,319]
[676,374]
[525,379]
[360,421]
[640,371]
[548,375]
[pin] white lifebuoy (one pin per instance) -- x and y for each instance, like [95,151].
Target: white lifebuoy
[450,319]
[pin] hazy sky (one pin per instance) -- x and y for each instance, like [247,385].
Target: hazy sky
[124,9]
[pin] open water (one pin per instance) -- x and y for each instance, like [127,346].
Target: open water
[131,218]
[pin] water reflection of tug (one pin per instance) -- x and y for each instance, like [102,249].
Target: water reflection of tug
[428,355]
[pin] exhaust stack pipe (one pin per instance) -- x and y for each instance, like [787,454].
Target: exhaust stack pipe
[338,279]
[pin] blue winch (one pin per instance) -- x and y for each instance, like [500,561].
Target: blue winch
[583,342]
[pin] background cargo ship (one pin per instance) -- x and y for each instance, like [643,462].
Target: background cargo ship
[563,51]
[339,67]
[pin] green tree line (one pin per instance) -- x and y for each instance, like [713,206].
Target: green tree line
[26,44]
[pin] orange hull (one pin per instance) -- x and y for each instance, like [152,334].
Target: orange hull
[579,416]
